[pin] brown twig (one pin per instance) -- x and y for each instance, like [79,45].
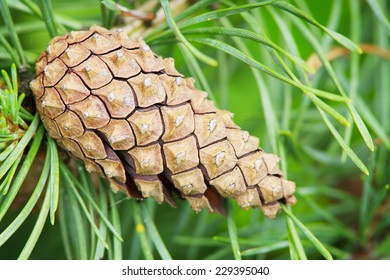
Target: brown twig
[137,28]
[335,53]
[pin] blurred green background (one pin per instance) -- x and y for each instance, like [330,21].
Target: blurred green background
[348,211]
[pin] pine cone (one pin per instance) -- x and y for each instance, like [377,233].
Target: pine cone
[129,115]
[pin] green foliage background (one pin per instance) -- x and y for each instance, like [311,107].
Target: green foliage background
[341,212]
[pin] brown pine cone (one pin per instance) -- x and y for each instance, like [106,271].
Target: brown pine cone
[129,115]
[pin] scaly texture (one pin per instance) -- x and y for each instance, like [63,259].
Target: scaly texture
[129,115]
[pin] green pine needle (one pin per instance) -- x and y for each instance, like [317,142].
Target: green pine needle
[54,179]
[232,229]
[154,234]
[316,243]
